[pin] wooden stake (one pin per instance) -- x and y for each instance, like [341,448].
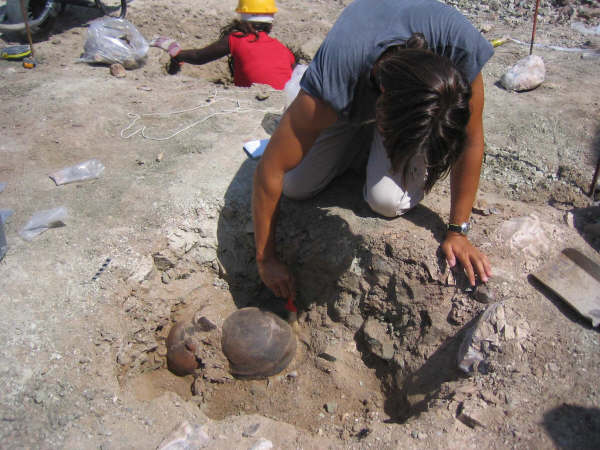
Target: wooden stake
[535,14]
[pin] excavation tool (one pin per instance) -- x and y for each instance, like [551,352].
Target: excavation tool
[575,278]
[15,52]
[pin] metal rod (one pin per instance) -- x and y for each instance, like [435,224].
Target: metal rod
[535,14]
[25,19]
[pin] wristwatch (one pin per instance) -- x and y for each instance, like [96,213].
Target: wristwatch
[463,228]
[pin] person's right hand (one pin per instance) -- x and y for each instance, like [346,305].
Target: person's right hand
[278,278]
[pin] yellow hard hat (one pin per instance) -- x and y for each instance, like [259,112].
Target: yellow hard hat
[256,7]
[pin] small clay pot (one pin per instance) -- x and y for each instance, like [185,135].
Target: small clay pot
[257,343]
[181,359]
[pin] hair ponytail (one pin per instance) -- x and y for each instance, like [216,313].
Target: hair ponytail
[417,41]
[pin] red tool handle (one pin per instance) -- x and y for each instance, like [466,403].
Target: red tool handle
[290,305]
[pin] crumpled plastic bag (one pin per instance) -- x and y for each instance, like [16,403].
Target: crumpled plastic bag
[528,73]
[42,221]
[115,41]
[86,170]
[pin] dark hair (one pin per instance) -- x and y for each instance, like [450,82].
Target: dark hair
[244,28]
[423,108]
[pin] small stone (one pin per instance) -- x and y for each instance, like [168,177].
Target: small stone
[470,415]
[330,353]
[377,339]
[162,262]
[262,444]
[251,430]
[292,374]
[486,27]
[159,157]
[484,293]
[570,220]
[262,96]
[330,407]
[118,71]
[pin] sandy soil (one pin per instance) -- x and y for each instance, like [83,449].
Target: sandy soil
[83,361]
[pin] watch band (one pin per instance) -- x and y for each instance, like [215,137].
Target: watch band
[463,228]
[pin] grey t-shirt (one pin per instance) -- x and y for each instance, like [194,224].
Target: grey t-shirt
[340,71]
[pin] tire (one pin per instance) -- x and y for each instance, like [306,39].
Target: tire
[40,15]
[113,8]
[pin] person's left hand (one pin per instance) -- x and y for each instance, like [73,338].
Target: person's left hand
[173,66]
[457,247]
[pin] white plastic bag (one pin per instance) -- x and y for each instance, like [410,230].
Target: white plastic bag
[292,87]
[42,221]
[114,41]
[80,172]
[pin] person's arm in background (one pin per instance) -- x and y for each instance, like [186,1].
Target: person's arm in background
[200,56]
[299,128]
[464,180]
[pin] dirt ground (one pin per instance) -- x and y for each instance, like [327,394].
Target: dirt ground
[381,319]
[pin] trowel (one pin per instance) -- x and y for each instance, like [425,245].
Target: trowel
[575,278]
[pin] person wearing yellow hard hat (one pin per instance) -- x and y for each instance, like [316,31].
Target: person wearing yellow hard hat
[256,57]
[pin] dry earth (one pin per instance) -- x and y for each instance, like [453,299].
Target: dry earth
[83,362]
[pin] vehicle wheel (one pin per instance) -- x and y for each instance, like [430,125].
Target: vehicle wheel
[41,14]
[113,8]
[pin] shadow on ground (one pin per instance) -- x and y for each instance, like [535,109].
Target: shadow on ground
[573,426]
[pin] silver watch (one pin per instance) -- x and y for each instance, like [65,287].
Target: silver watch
[463,228]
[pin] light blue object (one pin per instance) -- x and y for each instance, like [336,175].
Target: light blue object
[2,186]
[255,149]
[5,214]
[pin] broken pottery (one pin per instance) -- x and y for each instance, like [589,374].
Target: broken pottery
[183,345]
[257,343]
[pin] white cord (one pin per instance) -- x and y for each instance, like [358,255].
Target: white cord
[239,109]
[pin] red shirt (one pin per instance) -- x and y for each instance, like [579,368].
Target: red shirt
[264,61]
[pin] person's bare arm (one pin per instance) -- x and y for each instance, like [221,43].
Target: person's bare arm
[299,128]
[200,56]
[464,181]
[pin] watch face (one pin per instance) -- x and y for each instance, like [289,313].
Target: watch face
[463,228]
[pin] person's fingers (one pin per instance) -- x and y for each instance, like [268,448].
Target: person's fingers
[450,257]
[468,269]
[487,266]
[479,266]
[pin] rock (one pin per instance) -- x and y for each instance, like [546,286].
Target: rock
[262,95]
[484,293]
[251,430]
[470,414]
[378,341]
[142,271]
[118,71]
[486,27]
[526,74]
[185,436]
[330,353]
[162,262]
[478,339]
[262,444]
[331,407]
[570,219]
